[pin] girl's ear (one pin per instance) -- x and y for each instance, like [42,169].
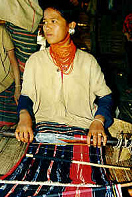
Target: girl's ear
[72,25]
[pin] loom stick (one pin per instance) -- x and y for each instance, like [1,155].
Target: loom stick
[112,141]
[70,142]
[50,183]
[47,183]
[126,184]
[7,134]
[78,162]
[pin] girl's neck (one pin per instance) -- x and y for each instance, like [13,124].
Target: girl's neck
[63,54]
[65,42]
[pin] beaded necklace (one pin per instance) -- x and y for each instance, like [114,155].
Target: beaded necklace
[63,56]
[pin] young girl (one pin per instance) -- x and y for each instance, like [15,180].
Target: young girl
[62,82]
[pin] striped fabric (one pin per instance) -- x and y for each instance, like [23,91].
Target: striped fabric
[25,44]
[53,162]
[24,41]
[8,107]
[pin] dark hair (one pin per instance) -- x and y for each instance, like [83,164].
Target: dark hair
[67,10]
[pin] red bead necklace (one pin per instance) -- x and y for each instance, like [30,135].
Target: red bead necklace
[63,56]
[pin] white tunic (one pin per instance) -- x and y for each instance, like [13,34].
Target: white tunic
[70,102]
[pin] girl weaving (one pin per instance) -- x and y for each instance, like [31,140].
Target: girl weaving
[61,82]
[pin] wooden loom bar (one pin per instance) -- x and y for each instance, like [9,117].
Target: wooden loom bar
[79,162]
[50,183]
[46,183]
[69,142]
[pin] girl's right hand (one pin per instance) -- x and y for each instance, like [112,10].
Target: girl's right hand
[24,131]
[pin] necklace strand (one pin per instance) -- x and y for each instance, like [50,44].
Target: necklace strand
[63,56]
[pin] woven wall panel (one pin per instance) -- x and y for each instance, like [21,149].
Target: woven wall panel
[10,152]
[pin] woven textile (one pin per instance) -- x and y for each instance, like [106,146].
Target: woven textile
[53,162]
[24,41]
[8,107]
[120,155]
[118,176]
[10,152]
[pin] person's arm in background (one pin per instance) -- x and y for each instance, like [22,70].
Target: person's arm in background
[9,48]
[16,73]
[102,120]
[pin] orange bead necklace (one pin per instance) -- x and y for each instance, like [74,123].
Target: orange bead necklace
[63,56]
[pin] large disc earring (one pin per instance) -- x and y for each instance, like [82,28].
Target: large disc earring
[71,31]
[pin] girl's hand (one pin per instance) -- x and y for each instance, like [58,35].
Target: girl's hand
[96,130]
[24,131]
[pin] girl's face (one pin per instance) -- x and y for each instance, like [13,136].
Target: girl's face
[55,26]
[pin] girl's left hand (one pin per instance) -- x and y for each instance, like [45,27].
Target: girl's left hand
[96,130]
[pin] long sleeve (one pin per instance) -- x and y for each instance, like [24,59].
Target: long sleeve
[25,103]
[105,105]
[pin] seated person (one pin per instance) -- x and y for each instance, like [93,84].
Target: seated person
[61,82]
[9,79]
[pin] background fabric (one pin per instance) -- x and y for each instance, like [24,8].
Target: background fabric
[23,13]
[8,107]
[6,74]
[25,43]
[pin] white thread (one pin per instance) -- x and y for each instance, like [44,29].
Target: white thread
[119,144]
